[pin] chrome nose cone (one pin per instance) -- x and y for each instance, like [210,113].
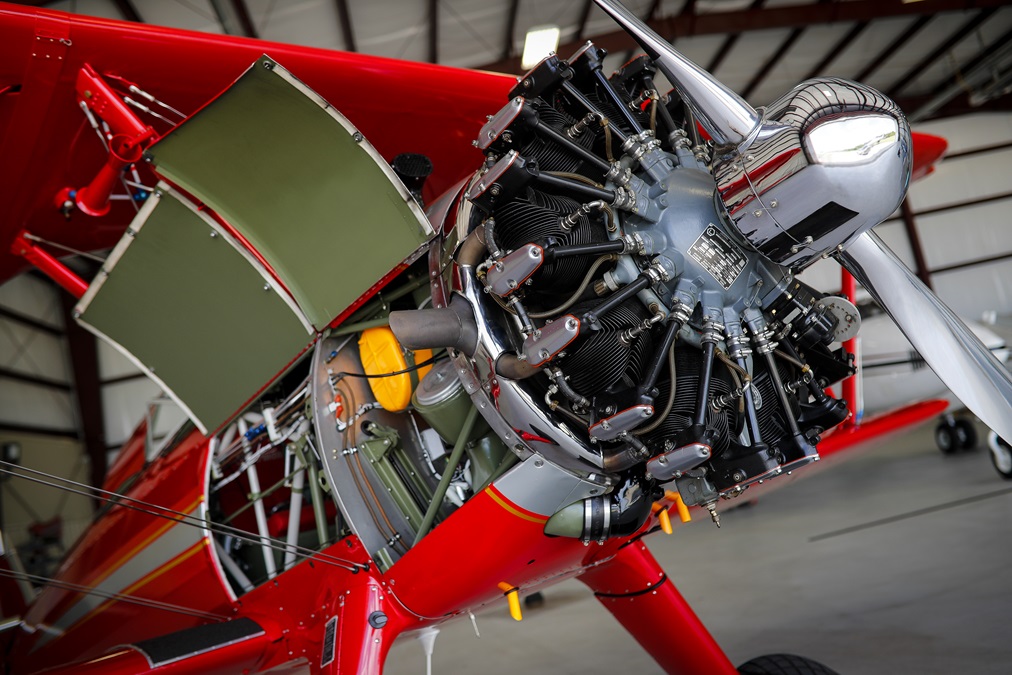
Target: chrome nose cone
[831,160]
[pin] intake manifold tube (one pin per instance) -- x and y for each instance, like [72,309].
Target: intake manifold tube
[455,326]
[452,327]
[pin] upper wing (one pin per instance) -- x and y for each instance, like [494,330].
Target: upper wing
[48,145]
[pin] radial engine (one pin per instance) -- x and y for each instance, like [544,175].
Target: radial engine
[619,294]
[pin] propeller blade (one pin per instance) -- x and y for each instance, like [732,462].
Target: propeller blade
[726,116]
[956,355]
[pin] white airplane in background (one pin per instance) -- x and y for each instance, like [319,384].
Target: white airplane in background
[894,373]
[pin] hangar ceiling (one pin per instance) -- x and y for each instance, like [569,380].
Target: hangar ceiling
[937,58]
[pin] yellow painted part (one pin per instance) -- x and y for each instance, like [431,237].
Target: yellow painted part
[381,353]
[534,518]
[663,518]
[513,598]
[683,510]
[665,521]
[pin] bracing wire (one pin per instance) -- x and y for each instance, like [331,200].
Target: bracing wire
[176,516]
[121,597]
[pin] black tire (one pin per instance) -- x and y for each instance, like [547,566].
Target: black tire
[784,664]
[534,600]
[1001,455]
[966,434]
[945,438]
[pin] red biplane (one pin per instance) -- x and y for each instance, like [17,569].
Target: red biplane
[397,418]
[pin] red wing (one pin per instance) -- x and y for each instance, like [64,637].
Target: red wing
[47,143]
[876,427]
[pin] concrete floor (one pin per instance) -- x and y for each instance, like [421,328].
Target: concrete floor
[896,561]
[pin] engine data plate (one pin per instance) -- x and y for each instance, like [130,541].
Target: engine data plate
[718,256]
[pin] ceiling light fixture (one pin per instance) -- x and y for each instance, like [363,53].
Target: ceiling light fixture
[539,43]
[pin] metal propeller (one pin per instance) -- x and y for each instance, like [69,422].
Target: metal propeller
[959,359]
[726,116]
[956,355]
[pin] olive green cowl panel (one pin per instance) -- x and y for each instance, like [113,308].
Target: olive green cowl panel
[184,302]
[300,183]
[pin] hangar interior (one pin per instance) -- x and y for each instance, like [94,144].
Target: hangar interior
[69,401]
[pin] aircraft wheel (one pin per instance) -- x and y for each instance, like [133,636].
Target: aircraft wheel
[1001,455]
[784,664]
[534,600]
[966,434]
[946,439]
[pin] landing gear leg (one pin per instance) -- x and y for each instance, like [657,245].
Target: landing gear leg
[634,588]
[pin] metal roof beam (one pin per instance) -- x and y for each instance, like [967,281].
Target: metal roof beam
[30,322]
[789,16]
[689,6]
[347,29]
[656,5]
[773,60]
[771,63]
[836,49]
[581,26]
[37,380]
[234,17]
[511,26]
[959,105]
[41,431]
[84,362]
[892,48]
[433,31]
[977,68]
[729,42]
[940,51]
[129,12]
[245,20]
[129,377]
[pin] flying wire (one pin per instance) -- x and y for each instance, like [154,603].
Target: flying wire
[193,521]
[47,242]
[122,597]
[176,516]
